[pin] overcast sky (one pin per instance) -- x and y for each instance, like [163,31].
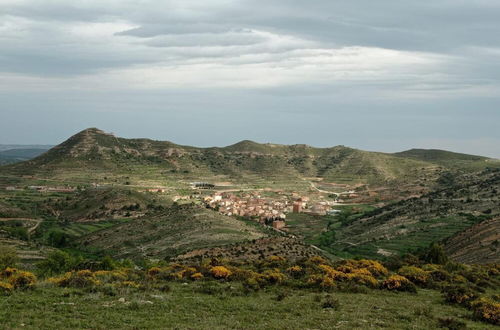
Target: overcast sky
[375,75]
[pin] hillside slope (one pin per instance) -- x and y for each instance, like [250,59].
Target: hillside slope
[177,230]
[478,244]
[414,223]
[99,154]
[449,159]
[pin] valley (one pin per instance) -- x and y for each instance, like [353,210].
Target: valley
[269,219]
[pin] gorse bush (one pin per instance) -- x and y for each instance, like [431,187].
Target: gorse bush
[461,295]
[76,279]
[220,272]
[415,274]
[461,285]
[398,283]
[486,310]
[18,279]
[6,288]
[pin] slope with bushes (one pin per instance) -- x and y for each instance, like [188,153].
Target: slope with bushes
[414,223]
[173,231]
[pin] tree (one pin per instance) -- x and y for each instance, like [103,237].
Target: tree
[436,255]
[8,257]
[58,238]
[56,263]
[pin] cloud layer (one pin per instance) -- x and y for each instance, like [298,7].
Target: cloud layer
[327,54]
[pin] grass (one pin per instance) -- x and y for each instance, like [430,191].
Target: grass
[225,306]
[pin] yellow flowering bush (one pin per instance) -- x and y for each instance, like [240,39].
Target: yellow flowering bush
[374,267]
[220,272]
[172,272]
[398,283]
[334,274]
[6,288]
[459,295]
[324,282]
[197,276]
[295,271]
[274,276]
[109,276]
[363,279]
[486,310]
[317,260]
[78,279]
[415,274]
[18,279]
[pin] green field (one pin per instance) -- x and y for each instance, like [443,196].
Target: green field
[225,306]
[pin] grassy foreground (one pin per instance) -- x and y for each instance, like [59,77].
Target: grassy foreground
[226,305]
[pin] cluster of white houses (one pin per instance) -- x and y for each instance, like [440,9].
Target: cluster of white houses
[267,211]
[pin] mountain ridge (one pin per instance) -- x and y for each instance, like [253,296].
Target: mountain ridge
[94,148]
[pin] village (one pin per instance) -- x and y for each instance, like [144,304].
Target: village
[266,210]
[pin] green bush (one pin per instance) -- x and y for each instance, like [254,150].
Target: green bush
[57,262]
[461,295]
[8,257]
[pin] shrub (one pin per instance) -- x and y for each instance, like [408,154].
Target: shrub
[80,279]
[451,324]
[415,274]
[18,279]
[274,261]
[274,276]
[331,302]
[197,276]
[220,272]
[324,282]
[369,267]
[6,288]
[398,283]
[486,310]
[22,280]
[295,271]
[317,260]
[110,276]
[435,255]
[363,279]
[459,295]
[57,262]
[334,274]
[8,257]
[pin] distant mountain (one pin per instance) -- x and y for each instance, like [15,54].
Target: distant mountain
[10,156]
[447,158]
[95,150]
[4,147]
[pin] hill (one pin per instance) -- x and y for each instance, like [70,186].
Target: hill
[18,155]
[103,203]
[448,158]
[176,230]
[93,155]
[414,223]
[477,244]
